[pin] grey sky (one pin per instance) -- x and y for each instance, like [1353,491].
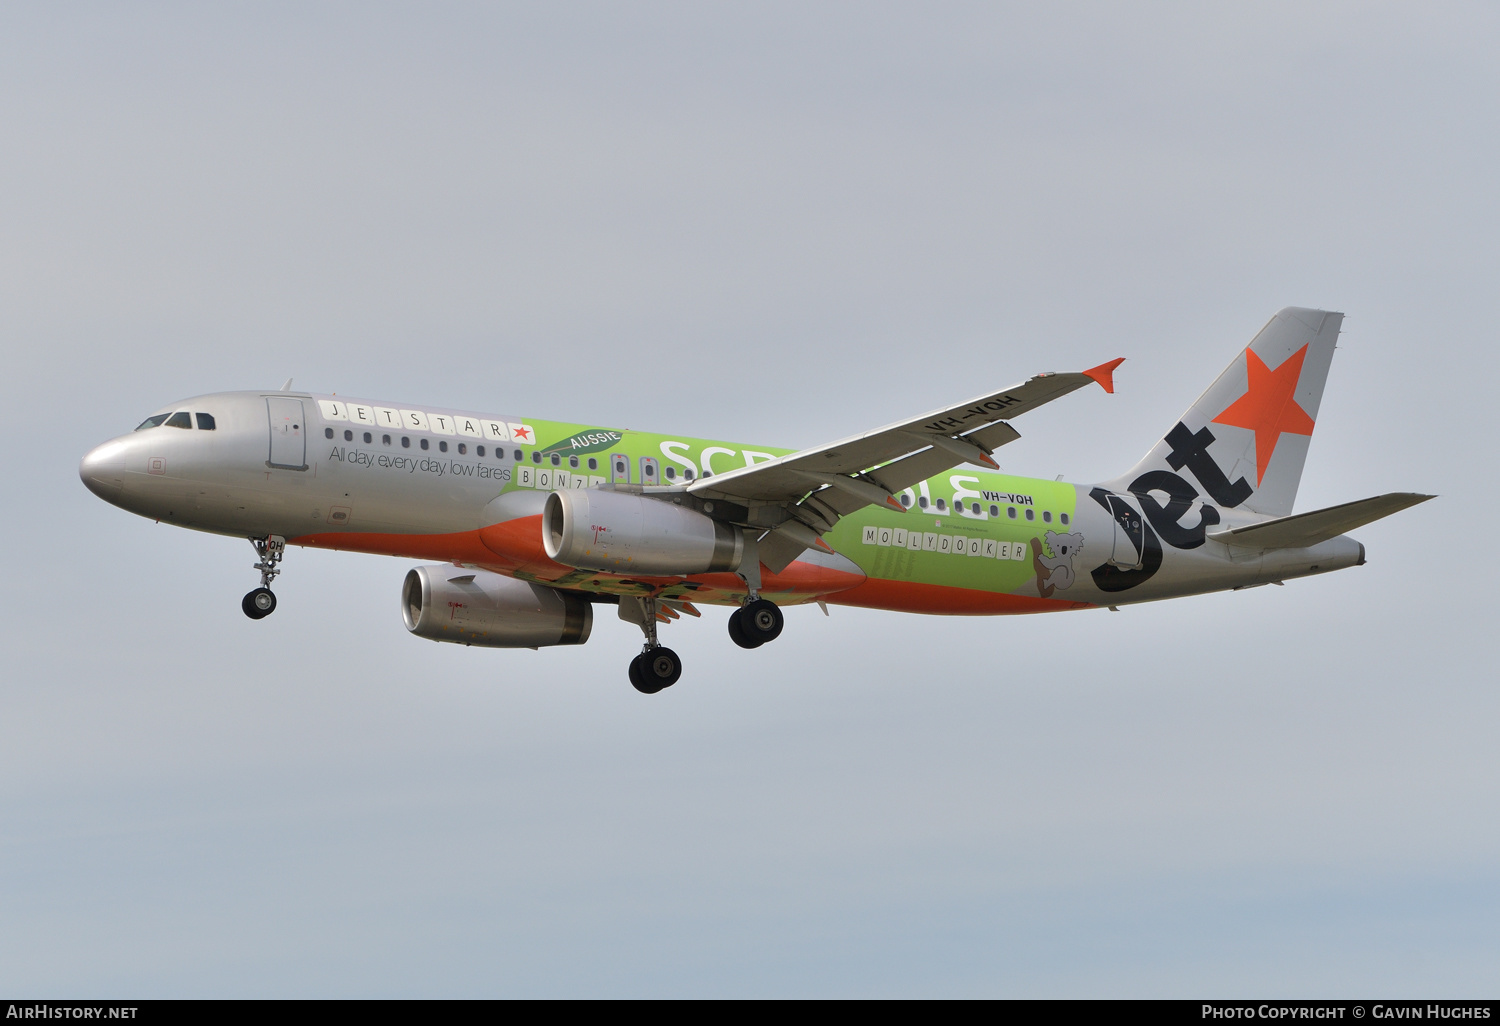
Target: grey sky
[775,224]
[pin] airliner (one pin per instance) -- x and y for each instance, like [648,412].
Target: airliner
[527,525]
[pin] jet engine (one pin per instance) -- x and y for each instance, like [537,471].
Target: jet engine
[475,607]
[623,533]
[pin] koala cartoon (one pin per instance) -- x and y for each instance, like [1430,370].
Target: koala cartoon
[1055,571]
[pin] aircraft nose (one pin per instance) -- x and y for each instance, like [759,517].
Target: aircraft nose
[103,470]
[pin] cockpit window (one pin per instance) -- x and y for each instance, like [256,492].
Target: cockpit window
[205,421]
[180,419]
[151,422]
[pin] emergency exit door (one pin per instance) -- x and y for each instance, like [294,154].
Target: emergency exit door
[288,433]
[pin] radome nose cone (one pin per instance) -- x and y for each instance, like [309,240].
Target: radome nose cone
[103,471]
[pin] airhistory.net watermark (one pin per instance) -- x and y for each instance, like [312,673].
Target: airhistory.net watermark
[44,1010]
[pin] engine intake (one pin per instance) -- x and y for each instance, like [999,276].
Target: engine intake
[623,533]
[448,603]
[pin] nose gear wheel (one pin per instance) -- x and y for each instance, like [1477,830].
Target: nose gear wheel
[259,603]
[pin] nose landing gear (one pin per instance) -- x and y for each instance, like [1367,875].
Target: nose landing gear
[261,602]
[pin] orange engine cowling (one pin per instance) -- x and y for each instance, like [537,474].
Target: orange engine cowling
[475,607]
[622,533]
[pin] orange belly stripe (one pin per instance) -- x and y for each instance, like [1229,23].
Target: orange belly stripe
[910,597]
[515,547]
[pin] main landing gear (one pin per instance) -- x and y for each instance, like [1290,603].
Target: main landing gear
[261,602]
[755,623]
[758,620]
[657,667]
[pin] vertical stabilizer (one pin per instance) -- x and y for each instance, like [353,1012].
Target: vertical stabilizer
[1244,442]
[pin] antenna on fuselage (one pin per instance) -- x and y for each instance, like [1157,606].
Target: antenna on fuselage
[288,386]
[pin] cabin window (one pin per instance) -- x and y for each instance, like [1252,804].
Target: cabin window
[573,462]
[328,432]
[180,420]
[423,443]
[556,460]
[406,441]
[994,510]
[479,450]
[671,473]
[922,501]
[151,422]
[1064,518]
[348,436]
[206,422]
[688,473]
[536,457]
[385,439]
[942,505]
[463,450]
[1046,516]
[906,500]
[1010,511]
[1031,514]
[594,464]
[520,455]
[442,447]
[367,438]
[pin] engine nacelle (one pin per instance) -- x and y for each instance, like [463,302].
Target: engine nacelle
[622,533]
[449,603]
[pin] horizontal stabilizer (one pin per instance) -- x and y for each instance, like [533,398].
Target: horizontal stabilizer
[1307,529]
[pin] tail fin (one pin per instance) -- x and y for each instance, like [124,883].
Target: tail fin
[1245,440]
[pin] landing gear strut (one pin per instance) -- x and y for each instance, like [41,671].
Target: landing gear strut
[262,601]
[657,667]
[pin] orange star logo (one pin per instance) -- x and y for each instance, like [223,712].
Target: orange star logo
[1267,407]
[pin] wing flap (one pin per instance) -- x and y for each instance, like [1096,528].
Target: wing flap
[1306,529]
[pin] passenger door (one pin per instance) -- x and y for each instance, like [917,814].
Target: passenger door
[1130,534]
[288,433]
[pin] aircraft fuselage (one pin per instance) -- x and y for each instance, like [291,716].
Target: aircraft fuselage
[468,489]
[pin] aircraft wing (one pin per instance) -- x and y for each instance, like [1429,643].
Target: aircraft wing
[819,486]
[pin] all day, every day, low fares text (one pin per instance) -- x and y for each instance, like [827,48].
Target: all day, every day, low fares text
[528,525]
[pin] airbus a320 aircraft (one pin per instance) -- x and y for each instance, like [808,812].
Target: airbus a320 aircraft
[533,523]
